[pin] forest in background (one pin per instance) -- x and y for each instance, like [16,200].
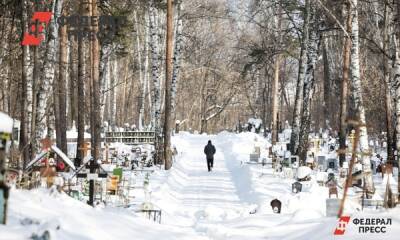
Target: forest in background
[313,63]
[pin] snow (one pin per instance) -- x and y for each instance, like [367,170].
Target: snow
[231,202]
[6,123]
[256,122]
[73,134]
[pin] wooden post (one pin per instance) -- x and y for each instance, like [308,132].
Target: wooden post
[350,173]
[168,79]
[344,85]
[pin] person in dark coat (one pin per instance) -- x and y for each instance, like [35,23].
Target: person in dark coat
[209,151]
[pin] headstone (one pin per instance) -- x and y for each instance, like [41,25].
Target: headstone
[373,167]
[294,161]
[321,161]
[276,206]
[296,187]
[332,207]
[331,163]
[254,157]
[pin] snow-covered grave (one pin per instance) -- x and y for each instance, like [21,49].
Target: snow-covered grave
[6,125]
[234,201]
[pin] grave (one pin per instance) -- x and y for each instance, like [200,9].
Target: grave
[303,173]
[46,151]
[296,187]
[332,207]
[373,167]
[321,178]
[254,157]
[324,164]
[315,145]
[5,137]
[276,206]
[92,173]
[290,161]
[321,162]
[310,160]
[130,137]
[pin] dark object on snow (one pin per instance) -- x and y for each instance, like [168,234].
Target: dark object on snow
[333,191]
[331,176]
[44,236]
[209,151]
[276,206]
[77,162]
[296,187]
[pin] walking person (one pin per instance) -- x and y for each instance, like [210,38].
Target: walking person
[209,151]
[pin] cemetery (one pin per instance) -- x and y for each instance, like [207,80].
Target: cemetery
[127,177]
[199,120]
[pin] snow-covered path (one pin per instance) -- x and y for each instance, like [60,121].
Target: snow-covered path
[208,189]
[193,197]
[197,194]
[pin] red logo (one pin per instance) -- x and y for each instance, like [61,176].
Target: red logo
[341,228]
[42,18]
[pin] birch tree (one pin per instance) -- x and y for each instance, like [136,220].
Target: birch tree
[356,90]
[396,85]
[309,81]
[25,78]
[48,76]
[155,64]
[105,53]
[177,56]
[294,138]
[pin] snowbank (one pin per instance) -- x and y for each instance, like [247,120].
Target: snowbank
[6,123]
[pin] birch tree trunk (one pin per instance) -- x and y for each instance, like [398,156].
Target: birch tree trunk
[177,57]
[48,72]
[396,84]
[356,89]
[25,117]
[146,83]
[275,85]
[386,74]
[105,52]
[114,80]
[308,91]
[142,75]
[155,71]
[294,138]
[327,83]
